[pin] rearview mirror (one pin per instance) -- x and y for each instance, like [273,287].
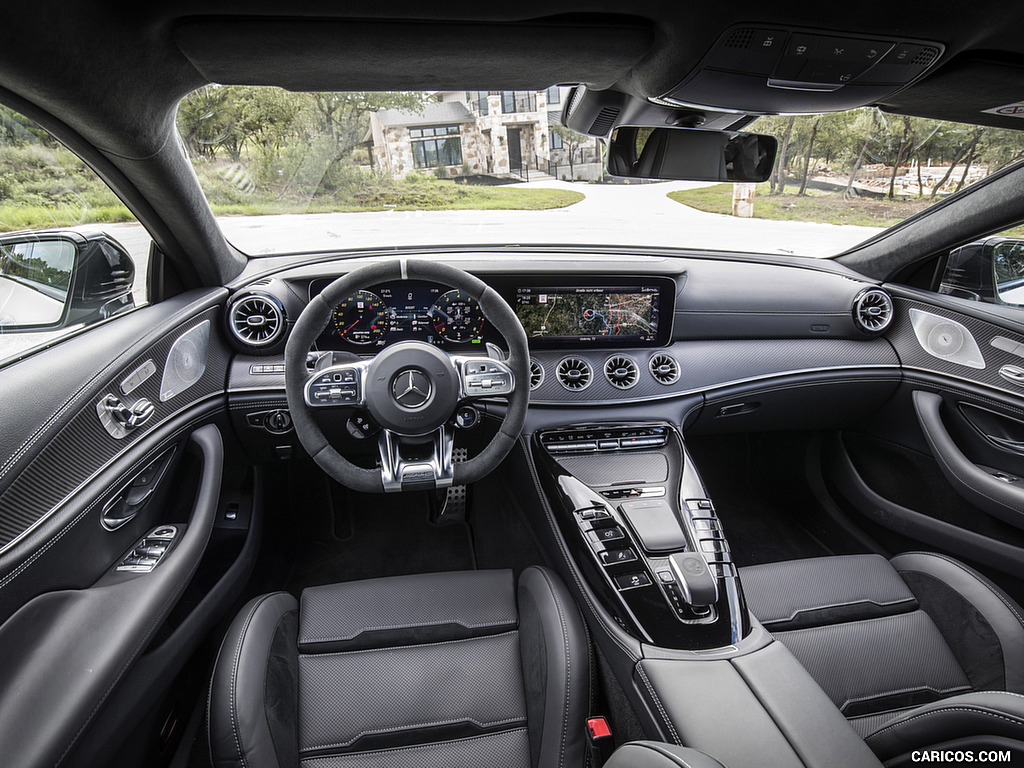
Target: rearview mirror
[691,154]
[51,280]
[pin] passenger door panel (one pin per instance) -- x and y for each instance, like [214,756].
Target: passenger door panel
[928,467]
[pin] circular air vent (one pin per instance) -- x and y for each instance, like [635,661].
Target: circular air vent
[872,310]
[536,374]
[574,373]
[621,372]
[256,320]
[664,369]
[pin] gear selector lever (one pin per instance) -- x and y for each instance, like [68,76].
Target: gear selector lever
[698,585]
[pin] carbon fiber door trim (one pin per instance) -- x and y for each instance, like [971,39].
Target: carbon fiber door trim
[84,446]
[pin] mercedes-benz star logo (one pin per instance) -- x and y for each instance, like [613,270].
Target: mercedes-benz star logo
[411,389]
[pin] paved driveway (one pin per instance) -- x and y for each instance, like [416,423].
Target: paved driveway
[612,214]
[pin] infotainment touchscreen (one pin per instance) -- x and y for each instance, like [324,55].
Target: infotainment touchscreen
[594,314]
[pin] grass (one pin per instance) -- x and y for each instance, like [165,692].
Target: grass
[815,206]
[47,186]
[441,196]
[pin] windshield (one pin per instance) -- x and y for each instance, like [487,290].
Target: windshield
[289,172]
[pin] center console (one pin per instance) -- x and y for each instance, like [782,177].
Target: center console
[658,584]
[640,524]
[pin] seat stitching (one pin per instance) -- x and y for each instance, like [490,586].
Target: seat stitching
[510,633]
[415,747]
[568,666]
[942,710]
[411,727]
[234,676]
[657,702]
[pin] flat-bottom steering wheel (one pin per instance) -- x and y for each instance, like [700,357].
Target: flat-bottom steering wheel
[412,389]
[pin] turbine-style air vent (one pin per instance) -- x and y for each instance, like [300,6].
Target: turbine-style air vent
[536,374]
[872,310]
[621,372]
[664,369]
[574,374]
[256,320]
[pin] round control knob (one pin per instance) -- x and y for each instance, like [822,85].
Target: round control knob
[278,422]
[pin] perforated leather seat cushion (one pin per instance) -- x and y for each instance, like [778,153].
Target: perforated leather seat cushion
[884,638]
[453,669]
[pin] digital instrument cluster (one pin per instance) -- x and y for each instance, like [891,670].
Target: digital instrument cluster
[406,310]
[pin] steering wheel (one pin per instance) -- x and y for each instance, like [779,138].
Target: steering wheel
[412,389]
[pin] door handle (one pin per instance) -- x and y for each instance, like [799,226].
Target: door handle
[979,487]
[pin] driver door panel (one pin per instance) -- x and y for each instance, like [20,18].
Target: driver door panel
[71,625]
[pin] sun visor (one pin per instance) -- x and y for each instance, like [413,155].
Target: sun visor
[319,55]
[967,90]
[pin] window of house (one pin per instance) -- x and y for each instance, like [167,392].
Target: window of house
[481,102]
[518,101]
[554,95]
[554,140]
[436,145]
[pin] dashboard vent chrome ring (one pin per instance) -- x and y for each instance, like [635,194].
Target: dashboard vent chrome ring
[664,369]
[256,320]
[536,374]
[872,310]
[621,372]
[574,373]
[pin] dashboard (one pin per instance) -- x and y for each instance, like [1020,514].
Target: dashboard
[603,328]
[594,311]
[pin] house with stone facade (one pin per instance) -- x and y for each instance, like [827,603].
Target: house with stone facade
[497,133]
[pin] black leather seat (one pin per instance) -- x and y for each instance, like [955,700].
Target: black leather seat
[916,652]
[454,669]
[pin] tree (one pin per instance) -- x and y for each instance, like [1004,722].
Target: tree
[572,141]
[904,140]
[206,117]
[807,156]
[779,184]
[870,127]
[344,116]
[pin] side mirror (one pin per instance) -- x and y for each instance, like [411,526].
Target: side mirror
[990,271]
[51,280]
[691,154]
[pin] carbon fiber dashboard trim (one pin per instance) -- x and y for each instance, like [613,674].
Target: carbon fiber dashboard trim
[914,357]
[83,446]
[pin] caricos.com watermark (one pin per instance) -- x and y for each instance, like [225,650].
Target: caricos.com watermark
[961,756]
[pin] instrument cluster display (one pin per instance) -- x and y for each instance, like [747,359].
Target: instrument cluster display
[406,310]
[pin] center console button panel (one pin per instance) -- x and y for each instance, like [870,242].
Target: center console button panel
[645,538]
[605,439]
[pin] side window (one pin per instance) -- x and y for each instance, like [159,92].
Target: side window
[990,270]
[71,254]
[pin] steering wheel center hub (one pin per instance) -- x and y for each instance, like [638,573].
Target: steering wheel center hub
[411,388]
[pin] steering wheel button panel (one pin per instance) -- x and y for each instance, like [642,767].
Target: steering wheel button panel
[335,387]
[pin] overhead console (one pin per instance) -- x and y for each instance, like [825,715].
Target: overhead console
[766,69]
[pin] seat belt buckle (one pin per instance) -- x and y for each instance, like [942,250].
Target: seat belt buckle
[600,741]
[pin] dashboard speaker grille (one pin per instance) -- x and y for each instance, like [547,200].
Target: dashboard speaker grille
[621,372]
[873,310]
[256,320]
[536,374]
[664,369]
[574,374]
